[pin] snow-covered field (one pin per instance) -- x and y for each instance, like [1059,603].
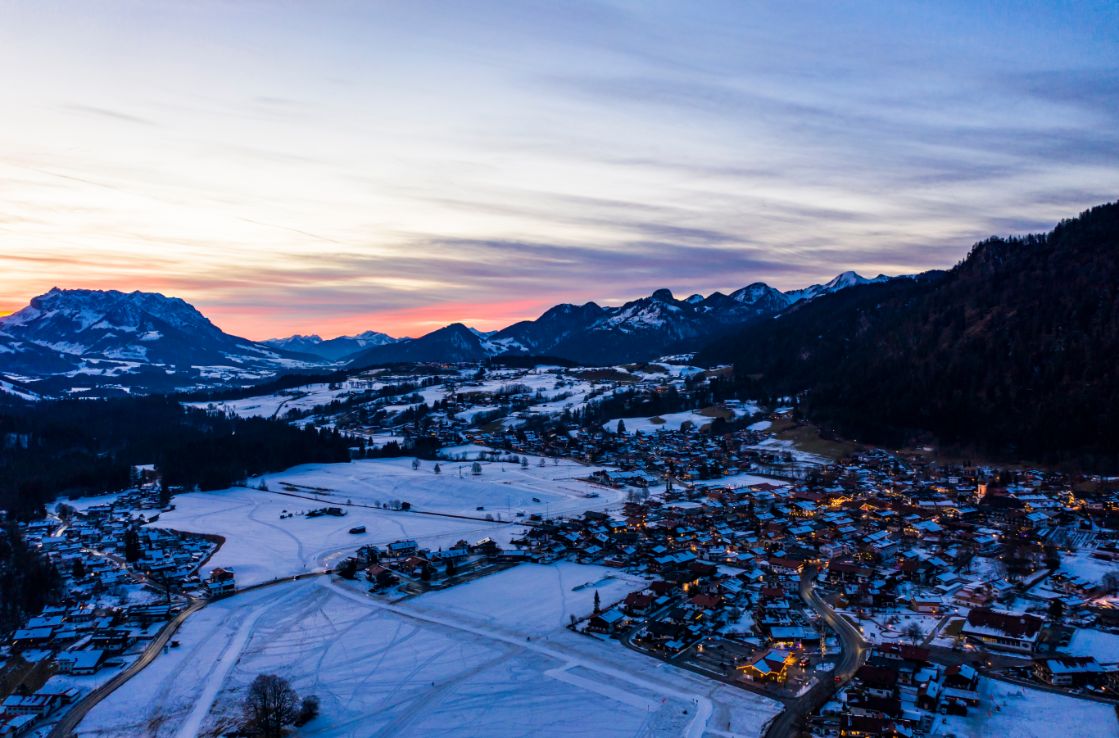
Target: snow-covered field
[1083,565]
[502,487]
[486,658]
[261,546]
[1100,644]
[668,421]
[1011,710]
[300,398]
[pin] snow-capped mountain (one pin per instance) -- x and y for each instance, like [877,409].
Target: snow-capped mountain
[94,338]
[638,330]
[116,341]
[840,282]
[331,349]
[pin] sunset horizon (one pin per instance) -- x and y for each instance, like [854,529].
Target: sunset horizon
[386,167]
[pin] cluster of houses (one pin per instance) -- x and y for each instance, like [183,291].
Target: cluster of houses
[967,560]
[417,569]
[899,691]
[651,460]
[119,577]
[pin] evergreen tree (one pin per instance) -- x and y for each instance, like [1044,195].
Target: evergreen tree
[132,551]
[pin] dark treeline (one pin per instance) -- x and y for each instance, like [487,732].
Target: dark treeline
[1010,354]
[81,447]
[28,580]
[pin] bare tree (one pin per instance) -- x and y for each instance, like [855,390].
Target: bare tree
[912,633]
[271,704]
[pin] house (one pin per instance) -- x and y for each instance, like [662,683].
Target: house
[402,548]
[31,637]
[39,704]
[1068,671]
[80,662]
[221,582]
[380,576]
[606,622]
[1011,631]
[770,667]
[14,726]
[639,603]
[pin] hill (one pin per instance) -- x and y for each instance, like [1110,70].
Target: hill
[1010,353]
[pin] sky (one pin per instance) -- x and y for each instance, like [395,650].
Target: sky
[334,167]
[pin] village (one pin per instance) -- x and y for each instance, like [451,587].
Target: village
[124,580]
[880,593]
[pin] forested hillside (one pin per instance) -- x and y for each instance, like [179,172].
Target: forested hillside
[78,447]
[1010,353]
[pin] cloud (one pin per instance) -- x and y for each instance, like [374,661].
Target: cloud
[116,115]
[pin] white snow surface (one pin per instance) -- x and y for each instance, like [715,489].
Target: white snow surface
[260,546]
[1010,710]
[670,421]
[486,658]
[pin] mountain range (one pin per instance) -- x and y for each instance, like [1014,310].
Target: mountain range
[592,334]
[331,349]
[110,341]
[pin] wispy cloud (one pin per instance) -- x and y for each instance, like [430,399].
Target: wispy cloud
[345,167]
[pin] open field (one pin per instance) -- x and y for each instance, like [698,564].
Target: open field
[1011,710]
[427,667]
[260,545]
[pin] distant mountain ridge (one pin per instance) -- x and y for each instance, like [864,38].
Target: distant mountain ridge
[592,334]
[331,349]
[115,341]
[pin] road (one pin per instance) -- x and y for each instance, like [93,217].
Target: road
[851,641]
[67,726]
[853,653]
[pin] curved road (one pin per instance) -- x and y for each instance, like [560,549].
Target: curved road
[853,645]
[852,655]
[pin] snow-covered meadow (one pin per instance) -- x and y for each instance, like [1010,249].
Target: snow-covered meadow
[263,543]
[1012,710]
[486,658]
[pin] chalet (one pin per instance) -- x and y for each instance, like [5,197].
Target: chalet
[114,640]
[847,571]
[770,666]
[639,603]
[606,622]
[80,662]
[221,582]
[39,704]
[785,566]
[379,576]
[31,637]
[14,726]
[1068,671]
[400,549]
[1006,630]
[793,636]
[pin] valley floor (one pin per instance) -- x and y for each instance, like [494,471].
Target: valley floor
[486,658]
[261,545]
